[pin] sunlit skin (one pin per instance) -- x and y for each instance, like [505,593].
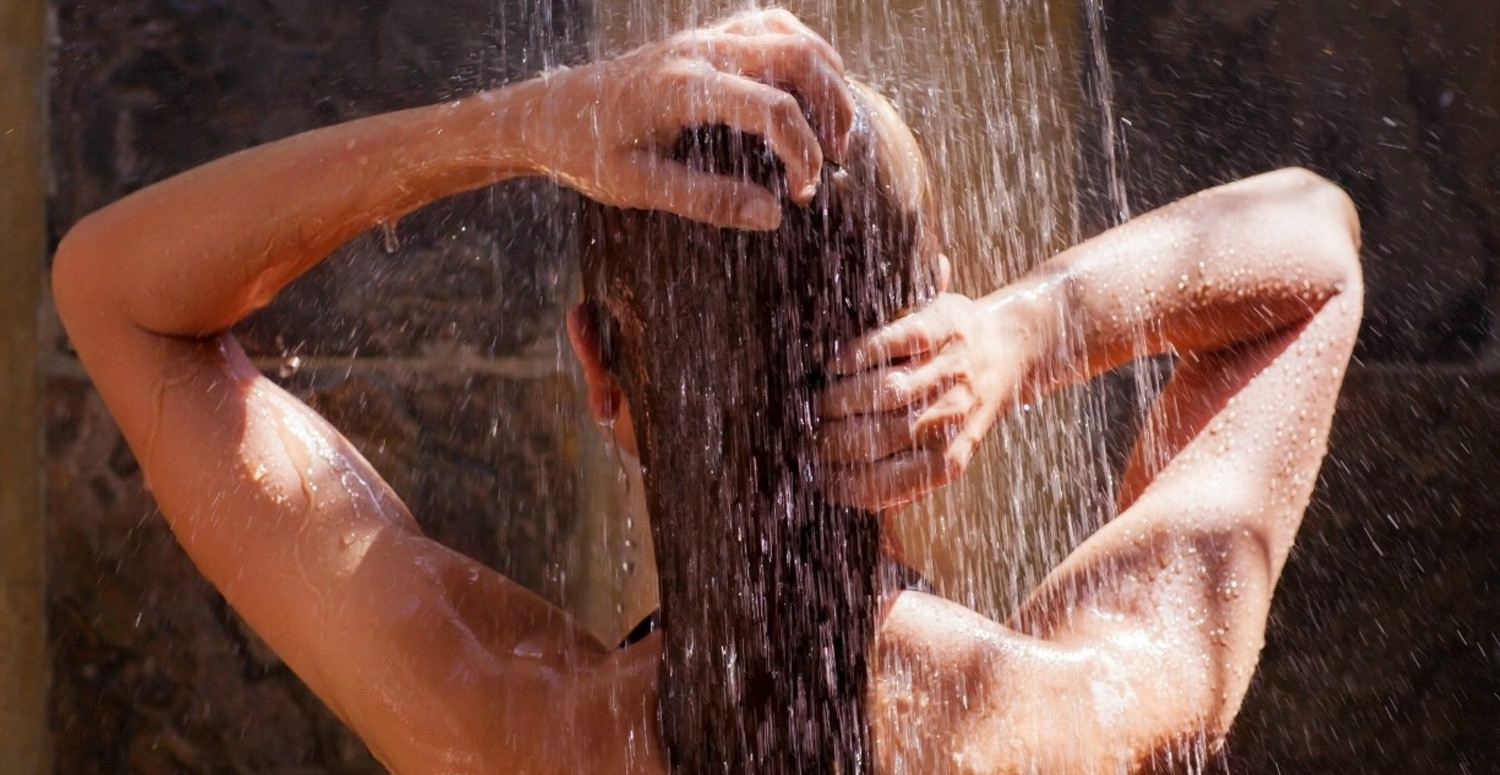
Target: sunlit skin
[1145,636]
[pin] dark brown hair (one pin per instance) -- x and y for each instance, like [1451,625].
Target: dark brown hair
[861,253]
[718,337]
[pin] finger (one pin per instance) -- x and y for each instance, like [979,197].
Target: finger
[880,390]
[891,482]
[865,439]
[807,66]
[759,109]
[909,337]
[779,20]
[729,202]
[939,423]
[769,20]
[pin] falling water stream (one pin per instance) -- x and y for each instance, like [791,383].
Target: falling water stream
[993,92]
[996,97]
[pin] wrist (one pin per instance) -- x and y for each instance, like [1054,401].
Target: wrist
[1026,317]
[501,131]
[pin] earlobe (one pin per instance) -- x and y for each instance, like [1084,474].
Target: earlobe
[604,390]
[604,403]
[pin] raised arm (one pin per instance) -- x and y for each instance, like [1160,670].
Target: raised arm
[1147,635]
[439,664]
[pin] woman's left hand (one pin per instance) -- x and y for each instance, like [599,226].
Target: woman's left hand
[607,126]
[911,401]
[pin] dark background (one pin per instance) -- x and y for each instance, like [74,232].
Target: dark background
[1384,650]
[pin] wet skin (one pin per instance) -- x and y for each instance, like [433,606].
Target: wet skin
[1145,636]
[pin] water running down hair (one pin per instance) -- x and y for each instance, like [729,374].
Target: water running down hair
[717,336]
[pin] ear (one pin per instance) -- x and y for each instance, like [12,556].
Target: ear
[945,273]
[604,390]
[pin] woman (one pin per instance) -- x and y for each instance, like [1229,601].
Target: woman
[441,665]
[1138,649]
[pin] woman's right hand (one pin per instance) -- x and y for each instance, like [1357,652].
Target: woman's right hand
[911,402]
[604,127]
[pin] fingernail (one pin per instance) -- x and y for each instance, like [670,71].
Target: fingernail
[760,214]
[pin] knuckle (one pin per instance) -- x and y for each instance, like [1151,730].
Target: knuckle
[793,53]
[895,389]
[783,106]
[741,22]
[688,45]
[680,74]
[781,16]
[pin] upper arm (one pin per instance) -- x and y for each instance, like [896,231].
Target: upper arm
[416,646]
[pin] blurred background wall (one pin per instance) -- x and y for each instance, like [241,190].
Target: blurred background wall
[1384,651]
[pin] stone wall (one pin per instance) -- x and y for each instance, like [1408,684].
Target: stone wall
[1384,649]
[435,347]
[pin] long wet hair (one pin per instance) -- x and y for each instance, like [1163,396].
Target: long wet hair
[718,337]
[863,252]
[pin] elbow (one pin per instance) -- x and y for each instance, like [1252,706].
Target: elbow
[92,281]
[75,278]
[1329,221]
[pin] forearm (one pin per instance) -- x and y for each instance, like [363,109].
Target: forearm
[1226,266]
[191,255]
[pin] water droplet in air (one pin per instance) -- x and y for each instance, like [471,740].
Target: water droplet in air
[289,367]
